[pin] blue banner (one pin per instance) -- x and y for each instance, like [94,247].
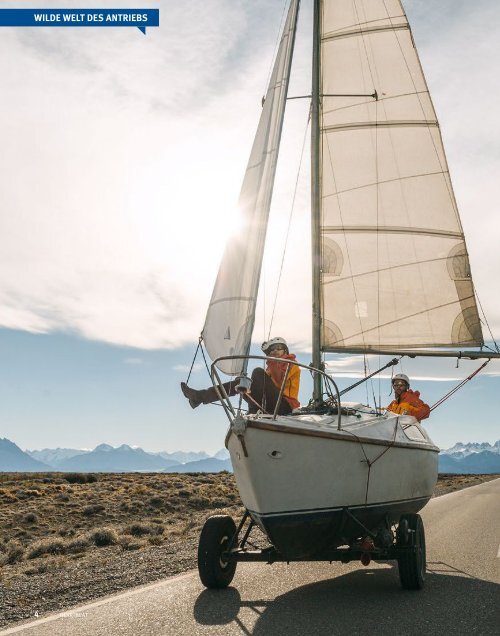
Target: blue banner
[140,18]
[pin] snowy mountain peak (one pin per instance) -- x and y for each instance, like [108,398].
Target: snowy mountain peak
[464,450]
[103,447]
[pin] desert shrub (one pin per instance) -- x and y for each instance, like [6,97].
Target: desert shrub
[79,544]
[7,496]
[103,537]
[200,502]
[136,505]
[137,529]
[93,509]
[218,502]
[80,478]
[62,497]
[184,493]
[52,545]
[13,552]
[30,493]
[30,517]
[155,539]
[156,502]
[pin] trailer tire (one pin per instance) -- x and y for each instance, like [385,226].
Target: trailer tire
[215,537]
[410,536]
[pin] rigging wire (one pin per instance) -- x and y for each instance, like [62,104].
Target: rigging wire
[292,208]
[459,386]
[486,322]
[194,359]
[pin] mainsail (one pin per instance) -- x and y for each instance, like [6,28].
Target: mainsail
[395,269]
[231,313]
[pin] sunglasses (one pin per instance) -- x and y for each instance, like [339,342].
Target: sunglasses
[276,348]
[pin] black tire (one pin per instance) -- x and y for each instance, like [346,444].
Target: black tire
[412,563]
[214,540]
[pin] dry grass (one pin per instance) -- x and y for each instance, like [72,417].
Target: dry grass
[61,515]
[57,515]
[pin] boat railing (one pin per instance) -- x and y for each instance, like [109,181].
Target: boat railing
[244,383]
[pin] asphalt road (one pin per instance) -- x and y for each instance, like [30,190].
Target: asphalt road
[461,594]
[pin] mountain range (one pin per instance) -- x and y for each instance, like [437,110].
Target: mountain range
[471,458]
[106,458]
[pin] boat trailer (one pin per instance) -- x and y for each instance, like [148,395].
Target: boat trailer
[221,548]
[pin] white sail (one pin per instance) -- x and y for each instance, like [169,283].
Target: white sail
[395,270]
[231,313]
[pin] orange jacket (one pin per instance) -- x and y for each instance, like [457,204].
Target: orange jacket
[410,403]
[276,371]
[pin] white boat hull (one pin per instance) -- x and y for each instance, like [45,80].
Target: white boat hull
[300,474]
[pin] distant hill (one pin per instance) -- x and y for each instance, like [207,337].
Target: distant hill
[13,459]
[222,454]
[210,465]
[53,456]
[106,459]
[181,457]
[472,458]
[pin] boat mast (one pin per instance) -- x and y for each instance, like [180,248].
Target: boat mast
[315,203]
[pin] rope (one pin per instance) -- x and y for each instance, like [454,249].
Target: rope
[194,359]
[459,386]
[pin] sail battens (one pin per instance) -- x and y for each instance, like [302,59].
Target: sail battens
[380,124]
[364,31]
[394,264]
[380,271]
[229,299]
[409,317]
[331,229]
[385,181]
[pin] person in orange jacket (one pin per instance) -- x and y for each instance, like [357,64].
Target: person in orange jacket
[407,402]
[266,385]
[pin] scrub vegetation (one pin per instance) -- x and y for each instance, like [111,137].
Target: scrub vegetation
[69,538]
[69,514]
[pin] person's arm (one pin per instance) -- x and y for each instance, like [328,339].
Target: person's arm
[415,406]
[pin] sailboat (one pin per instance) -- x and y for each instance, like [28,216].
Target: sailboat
[390,275]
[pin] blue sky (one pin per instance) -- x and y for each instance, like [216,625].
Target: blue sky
[122,159]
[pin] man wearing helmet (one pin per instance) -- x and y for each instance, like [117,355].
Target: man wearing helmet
[266,385]
[407,402]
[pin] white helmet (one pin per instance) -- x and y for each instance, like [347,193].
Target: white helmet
[266,346]
[401,376]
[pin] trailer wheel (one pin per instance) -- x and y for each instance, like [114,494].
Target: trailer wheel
[412,560]
[214,571]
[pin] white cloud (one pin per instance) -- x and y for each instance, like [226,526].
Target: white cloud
[123,157]
[186,368]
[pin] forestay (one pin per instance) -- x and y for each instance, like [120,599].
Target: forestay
[395,270]
[230,317]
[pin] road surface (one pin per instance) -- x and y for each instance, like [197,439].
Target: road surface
[461,594]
